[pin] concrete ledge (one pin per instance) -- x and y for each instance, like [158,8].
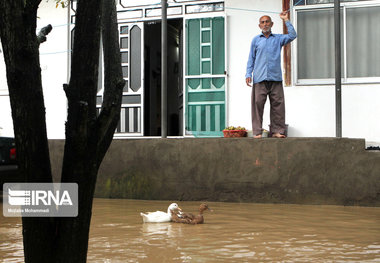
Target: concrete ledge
[292,170]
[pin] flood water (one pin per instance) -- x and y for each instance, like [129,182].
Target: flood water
[233,232]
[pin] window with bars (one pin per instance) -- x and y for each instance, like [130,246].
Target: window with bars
[130,52]
[314,2]
[359,37]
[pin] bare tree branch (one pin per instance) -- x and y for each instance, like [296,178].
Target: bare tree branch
[113,80]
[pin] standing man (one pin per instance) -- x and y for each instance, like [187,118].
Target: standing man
[265,62]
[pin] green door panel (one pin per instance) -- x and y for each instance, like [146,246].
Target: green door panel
[205,110]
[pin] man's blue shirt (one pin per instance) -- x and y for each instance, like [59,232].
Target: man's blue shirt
[265,55]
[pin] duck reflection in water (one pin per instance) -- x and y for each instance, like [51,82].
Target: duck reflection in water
[188,218]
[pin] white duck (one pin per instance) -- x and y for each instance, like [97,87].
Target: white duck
[159,216]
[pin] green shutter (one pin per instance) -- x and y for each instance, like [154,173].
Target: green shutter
[218,45]
[193,47]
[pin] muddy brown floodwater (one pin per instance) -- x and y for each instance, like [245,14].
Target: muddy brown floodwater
[233,232]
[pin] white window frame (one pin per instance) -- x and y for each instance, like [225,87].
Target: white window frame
[329,81]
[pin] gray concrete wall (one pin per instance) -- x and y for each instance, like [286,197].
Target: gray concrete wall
[291,170]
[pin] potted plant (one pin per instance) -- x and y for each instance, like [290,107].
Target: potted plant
[232,131]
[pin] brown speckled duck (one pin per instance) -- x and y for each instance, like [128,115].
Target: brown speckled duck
[188,218]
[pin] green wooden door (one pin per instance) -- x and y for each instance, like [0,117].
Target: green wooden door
[205,77]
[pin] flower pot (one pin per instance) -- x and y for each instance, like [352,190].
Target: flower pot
[234,133]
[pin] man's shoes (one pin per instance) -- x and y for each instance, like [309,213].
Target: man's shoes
[278,135]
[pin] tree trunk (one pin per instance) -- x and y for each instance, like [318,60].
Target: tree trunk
[20,47]
[87,136]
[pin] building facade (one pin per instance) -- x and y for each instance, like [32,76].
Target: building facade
[208,46]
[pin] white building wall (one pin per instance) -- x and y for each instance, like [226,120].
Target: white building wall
[361,111]
[6,126]
[53,60]
[311,111]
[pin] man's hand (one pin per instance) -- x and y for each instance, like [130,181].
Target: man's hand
[284,15]
[248,81]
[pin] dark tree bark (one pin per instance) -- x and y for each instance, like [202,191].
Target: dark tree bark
[20,48]
[87,136]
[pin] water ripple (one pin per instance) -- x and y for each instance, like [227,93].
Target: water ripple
[232,233]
